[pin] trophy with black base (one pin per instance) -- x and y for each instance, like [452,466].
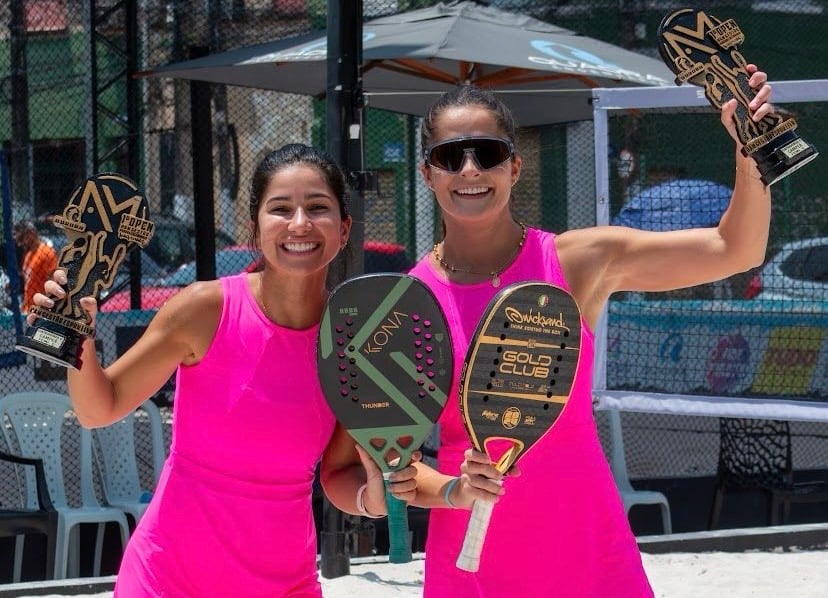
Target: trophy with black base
[105,219]
[703,50]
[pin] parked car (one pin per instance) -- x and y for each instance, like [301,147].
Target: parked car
[798,271]
[230,260]
[379,257]
[172,244]
[151,272]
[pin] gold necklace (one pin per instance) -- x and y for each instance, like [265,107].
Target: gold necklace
[494,274]
[263,306]
[261,300]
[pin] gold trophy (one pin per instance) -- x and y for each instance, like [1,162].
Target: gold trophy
[105,219]
[703,50]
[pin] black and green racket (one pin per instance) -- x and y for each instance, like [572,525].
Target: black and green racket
[385,365]
[516,381]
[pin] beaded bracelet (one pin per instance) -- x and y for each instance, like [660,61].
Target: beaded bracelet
[447,492]
[360,505]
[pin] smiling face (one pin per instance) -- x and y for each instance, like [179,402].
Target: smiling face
[300,226]
[471,192]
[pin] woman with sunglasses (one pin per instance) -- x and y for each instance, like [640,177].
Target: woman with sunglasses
[561,529]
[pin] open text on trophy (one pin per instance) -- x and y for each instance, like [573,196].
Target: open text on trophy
[703,50]
[105,219]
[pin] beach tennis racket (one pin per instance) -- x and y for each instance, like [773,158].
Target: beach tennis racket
[385,365]
[515,383]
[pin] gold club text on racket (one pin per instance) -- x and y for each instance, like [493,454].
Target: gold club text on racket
[524,363]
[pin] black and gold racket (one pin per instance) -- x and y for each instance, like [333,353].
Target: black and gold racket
[516,381]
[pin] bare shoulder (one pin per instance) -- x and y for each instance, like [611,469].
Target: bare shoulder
[191,317]
[592,245]
[586,257]
[193,300]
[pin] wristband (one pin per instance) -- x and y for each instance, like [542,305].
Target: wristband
[447,492]
[360,505]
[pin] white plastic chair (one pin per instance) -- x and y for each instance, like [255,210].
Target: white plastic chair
[35,423]
[618,463]
[117,461]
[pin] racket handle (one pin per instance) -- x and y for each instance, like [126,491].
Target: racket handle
[399,536]
[469,559]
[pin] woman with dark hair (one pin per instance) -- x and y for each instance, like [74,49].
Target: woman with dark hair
[232,512]
[560,530]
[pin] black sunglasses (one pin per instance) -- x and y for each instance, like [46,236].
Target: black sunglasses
[487,152]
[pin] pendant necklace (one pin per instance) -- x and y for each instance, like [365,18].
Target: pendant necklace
[494,274]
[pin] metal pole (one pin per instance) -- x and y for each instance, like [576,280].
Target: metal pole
[344,144]
[20,157]
[132,145]
[202,133]
[345,113]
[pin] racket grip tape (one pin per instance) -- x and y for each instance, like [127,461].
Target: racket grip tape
[399,536]
[469,559]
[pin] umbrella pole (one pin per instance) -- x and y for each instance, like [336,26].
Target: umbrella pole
[344,144]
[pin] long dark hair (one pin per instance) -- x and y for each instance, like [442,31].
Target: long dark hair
[297,153]
[467,95]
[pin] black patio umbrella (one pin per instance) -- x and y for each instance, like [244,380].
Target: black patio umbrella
[543,72]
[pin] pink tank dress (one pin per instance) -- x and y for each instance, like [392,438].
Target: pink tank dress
[232,512]
[560,530]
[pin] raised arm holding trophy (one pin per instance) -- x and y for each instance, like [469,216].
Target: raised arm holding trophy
[105,218]
[703,50]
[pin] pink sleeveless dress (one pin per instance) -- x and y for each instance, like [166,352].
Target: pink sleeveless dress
[232,512]
[560,530]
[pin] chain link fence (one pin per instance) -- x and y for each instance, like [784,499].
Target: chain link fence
[69,107]
[759,334]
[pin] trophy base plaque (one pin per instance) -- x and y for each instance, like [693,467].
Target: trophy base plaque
[50,341]
[782,156]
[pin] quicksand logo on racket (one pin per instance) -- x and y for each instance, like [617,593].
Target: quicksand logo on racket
[543,323]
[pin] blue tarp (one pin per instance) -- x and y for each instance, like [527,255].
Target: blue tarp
[674,205]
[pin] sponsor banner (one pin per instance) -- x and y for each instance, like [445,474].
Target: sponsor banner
[716,348]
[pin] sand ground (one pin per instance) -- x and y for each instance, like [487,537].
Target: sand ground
[777,574]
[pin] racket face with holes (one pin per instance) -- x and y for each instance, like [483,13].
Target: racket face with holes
[519,370]
[385,363]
